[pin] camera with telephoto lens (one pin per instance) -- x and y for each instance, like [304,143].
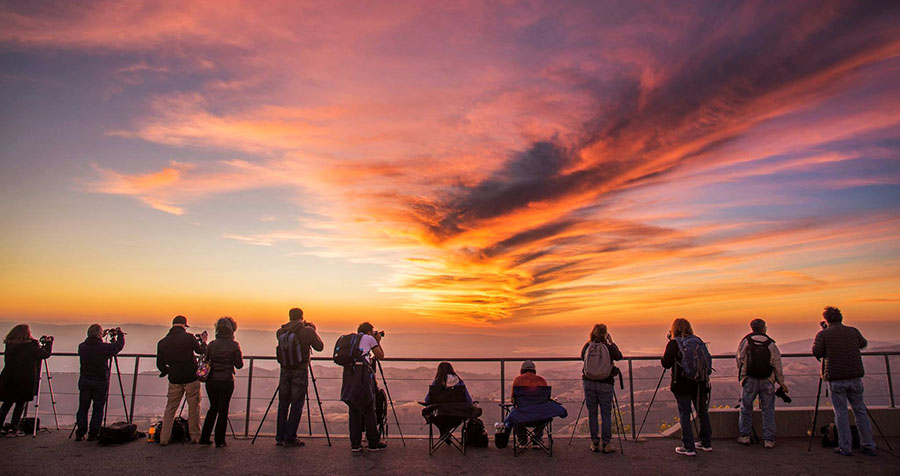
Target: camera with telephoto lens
[113,333]
[46,339]
[823,324]
[782,395]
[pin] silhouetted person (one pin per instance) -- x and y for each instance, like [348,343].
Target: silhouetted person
[93,382]
[759,369]
[19,379]
[358,390]
[529,378]
[175,359]
[598,376]
[224,355]
[294,342]
[685,351]
[843,369]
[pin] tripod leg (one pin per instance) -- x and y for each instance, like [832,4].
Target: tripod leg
[121,388]
[265,415]
[651,404]
[319,400]
[576,421]
[812,432]
[874,422]
[233,434]
[37,404]
[308,412]
[619,421]
[391,401]
[52,395]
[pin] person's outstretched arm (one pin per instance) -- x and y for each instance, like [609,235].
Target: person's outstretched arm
[818,348]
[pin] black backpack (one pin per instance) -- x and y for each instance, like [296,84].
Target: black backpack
[180,431]
[288,353]
[381,408]
[346,349]
[759,358]
[118,433]
[476,436]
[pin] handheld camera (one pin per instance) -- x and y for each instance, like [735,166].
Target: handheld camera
[45,340]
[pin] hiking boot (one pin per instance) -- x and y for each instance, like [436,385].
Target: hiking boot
[378,447]
[842,452]
[769,444]
[869,452]
[702,447]
[684,451]
[595,447]
[744,439]
[607,449]
[356,449]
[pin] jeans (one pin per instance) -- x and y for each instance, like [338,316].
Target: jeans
[765,389]
[219,393]
[16,416]
[701,404]
[363,417]
[599,393]
[850,390]
[292,387]
[90,393]
[191,393]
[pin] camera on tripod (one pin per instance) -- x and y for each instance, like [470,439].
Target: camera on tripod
[45,339]
[113,333]
[381,333]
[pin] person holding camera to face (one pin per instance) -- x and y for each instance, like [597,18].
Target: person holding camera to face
[93,381]
[759,369]
[175,358]
[19,379]
[842,368]
[294,342]
[358,388]
[598,378]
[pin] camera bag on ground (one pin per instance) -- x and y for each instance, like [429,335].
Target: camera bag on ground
[501,437]
[118,433]
[180,432]
[27,424]
[476,436]
[346,349]
[830,436]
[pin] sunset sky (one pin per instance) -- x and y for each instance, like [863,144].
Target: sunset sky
[463,165]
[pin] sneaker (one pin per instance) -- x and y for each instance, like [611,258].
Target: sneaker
[595,447]
[684,451]
[842,452]
[744,439]
[769,444]
[378,447]
[702,447]
[869,452]
[356,449]
[607,449]
[293,444]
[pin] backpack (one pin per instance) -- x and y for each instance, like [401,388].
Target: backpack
[759,358]
[476,436]
[695,359]
[597,364]
[117,433]
[288,351]
[346,349]
[381,407]
[830,436]
[180,431]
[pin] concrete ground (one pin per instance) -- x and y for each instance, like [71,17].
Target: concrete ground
[51,453]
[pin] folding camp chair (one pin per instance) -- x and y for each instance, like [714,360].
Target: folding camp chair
[449,411]
[525,397]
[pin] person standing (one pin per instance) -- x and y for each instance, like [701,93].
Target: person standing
[358,389]
[19,379]
[688,357]
[759,369]
[843,369]
[224,355]
[93,381]
[175,359]
[598,379]
[294,342]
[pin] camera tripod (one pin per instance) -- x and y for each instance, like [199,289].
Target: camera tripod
[391,401]
[37,401]
[312,376]
[653,399]
[617,415]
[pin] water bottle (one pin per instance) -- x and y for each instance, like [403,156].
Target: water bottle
[151,432]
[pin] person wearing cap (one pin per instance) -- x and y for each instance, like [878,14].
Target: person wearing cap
[528,377]
[175,359]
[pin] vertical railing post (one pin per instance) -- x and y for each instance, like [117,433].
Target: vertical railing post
[134,377]
[502,384]
[631,392]
[249,394]
[890,381]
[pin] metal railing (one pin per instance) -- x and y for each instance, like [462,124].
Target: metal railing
[259,377]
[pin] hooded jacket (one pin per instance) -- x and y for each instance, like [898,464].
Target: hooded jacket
[307,337]
[224,355]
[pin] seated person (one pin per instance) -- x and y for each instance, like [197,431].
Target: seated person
[447,378]
[528,377]
[446,414]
